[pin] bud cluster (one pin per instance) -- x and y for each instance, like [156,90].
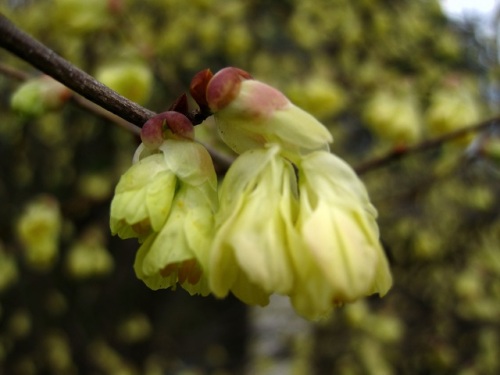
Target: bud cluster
[289,217]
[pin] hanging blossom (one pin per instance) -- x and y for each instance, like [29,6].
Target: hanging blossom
[167,200]
[251,114]
[293,219]
[336,251]
[251,249]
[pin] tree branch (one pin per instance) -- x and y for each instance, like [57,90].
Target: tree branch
[222,161]
[25,47]
[127,113]
[13,72]
[429,144]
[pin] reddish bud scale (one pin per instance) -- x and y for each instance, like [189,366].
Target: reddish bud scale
[224,87]
[180,105]
[198,88]
[168,124]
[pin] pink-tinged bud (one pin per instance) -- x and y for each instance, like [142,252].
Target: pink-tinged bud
[251,114]
[179,125]
[198,88]
[224,87]
[259,101]
[168,124]
[152,132]
[38,95]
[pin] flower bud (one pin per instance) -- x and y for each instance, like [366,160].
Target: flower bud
[250,114]
[452,106]
[170,124]
[198,88]
[223,87]
[39,229]
[318,96]
[39,95]
[394,115]
[88,257]
[81,16]
[180,105]
[133,80]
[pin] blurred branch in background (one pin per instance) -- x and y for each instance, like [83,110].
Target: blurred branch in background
[80,101]
[425,145]
[224,161]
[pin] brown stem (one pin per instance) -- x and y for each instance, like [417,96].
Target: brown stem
[25,47]
[429,144]
[223,162]
[127,113]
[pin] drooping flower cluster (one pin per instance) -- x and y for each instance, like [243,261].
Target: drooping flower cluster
[291,217]
[167,200]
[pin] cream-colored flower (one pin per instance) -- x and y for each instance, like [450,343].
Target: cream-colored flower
[251,114]
[178,253]
[168,200]
[144,194]
[335,250]
[143,198]
[394,115]
[250,252]
[88,257]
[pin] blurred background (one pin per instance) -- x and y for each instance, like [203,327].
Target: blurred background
[382,75]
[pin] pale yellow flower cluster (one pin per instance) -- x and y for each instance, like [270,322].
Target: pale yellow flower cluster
[167,200]
[290,217]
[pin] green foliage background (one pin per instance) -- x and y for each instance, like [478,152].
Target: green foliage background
[438,210]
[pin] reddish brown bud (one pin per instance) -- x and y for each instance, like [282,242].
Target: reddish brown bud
[179,125]
[198,88]
[168,124]
[224,87]
[180,105]
[152,132]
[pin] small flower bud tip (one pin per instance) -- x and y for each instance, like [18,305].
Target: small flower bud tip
[198,87]
[224,87]
[154,130]
[180,105]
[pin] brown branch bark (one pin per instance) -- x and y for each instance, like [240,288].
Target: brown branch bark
[127,113]
[222,161]
[43,58]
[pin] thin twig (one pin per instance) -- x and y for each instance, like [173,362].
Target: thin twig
[78,100]
[429,144]
[93,108]
[43,58]
[222,161]
[131,115]
[9,71]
